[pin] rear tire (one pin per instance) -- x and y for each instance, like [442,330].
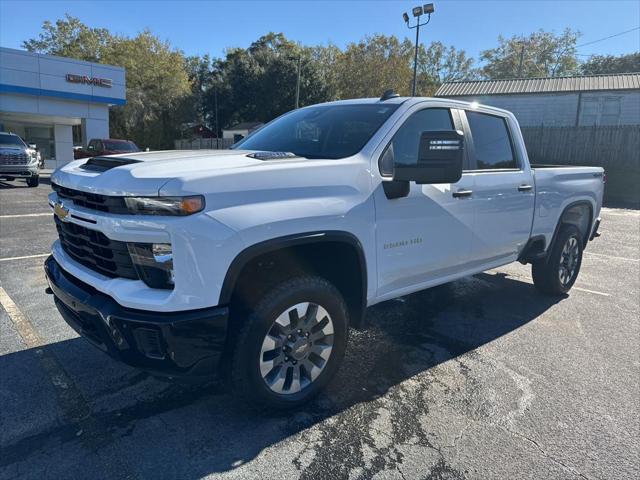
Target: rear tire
[556,274]
[291,344]
[33,181]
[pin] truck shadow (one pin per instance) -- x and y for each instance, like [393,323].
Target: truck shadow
[191,431]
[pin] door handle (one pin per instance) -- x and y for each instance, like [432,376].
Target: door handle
[462,193]
[524,188]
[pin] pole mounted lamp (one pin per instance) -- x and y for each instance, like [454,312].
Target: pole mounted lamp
[417,12]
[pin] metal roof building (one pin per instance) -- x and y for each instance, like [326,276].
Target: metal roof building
[557,101]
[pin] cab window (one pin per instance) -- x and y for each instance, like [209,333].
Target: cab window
[403,148]
[491,142]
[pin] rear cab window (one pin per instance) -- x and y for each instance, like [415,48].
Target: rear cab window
[491,141]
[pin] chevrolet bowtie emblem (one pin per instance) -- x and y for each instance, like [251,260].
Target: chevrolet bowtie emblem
[61,211]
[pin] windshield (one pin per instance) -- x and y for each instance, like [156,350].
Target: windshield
[325,131]
[12,140]
[121,146]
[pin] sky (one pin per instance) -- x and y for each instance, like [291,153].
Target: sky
[199,27]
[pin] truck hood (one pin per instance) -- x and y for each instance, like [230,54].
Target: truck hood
[149,171]
[10,150]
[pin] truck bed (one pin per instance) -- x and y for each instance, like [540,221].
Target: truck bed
[558,186]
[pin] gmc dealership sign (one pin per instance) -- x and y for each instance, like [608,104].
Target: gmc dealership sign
[95,81]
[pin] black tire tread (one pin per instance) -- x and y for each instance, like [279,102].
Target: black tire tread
[545,271]
[239,380]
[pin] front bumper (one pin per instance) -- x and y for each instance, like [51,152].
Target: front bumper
[176,344]
[18,171]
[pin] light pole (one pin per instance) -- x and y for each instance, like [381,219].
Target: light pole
[426,9]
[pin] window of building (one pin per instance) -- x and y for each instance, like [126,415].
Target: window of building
[610,111]
[603,110]
[77,135]
[491,141]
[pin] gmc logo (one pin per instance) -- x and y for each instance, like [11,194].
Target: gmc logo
[97,82]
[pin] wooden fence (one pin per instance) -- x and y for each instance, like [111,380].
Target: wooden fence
[615,148]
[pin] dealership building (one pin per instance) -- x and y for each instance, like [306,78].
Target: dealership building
[57,103]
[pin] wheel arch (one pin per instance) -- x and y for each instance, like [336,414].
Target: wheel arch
[579,213]
[306,244]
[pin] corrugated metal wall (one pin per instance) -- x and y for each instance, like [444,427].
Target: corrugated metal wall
[617,149]
[560,109]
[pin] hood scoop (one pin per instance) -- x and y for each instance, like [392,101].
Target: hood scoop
[102,164]
[272,155]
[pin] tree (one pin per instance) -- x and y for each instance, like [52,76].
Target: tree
[373,65]
[597,64]
[438,64]
[69,37]
[157,80]
[259,83]
[541,54]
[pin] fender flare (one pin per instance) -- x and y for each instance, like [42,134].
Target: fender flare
[279,243]
[564,211]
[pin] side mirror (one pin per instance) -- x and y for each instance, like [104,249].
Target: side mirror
[440,155]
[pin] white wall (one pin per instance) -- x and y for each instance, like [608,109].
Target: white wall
[561,109]
[230,133]
[64,146]
[555,109]
[610,108]
[34,90]
[19,68]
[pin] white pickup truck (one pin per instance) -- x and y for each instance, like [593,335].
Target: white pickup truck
[255,262]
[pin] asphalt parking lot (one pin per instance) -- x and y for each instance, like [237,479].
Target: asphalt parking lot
[482,378]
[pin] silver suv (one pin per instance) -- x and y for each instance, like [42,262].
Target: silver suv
[18,160]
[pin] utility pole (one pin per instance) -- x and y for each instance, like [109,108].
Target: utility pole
[415,60]
[521,59]
[298,82]
[215,101]
[427,9]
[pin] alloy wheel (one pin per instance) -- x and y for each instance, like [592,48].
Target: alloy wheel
[296,348]
[568,261]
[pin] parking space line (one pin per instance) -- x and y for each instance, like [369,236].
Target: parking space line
[586,290]
[23,326]
[591,291]
[76,409]
[21,215]
[612,257]
[38,255]
[624,213]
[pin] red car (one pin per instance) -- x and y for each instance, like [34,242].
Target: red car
[105,146]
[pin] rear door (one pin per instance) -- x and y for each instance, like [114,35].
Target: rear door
[503,190]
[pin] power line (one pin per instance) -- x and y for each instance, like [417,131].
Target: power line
[607,38]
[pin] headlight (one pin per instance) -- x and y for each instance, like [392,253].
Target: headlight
[165,205]
[154,263]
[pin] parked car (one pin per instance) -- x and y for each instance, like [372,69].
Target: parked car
[255,262]
[18,160]
[105,146]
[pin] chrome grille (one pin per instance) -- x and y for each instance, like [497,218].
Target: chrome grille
[95,251]
[92,201]
[14,159]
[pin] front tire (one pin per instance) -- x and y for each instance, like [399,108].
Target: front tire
[33,181]
[556,274]
[291,344]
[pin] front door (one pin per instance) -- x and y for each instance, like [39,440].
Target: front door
[424,237]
